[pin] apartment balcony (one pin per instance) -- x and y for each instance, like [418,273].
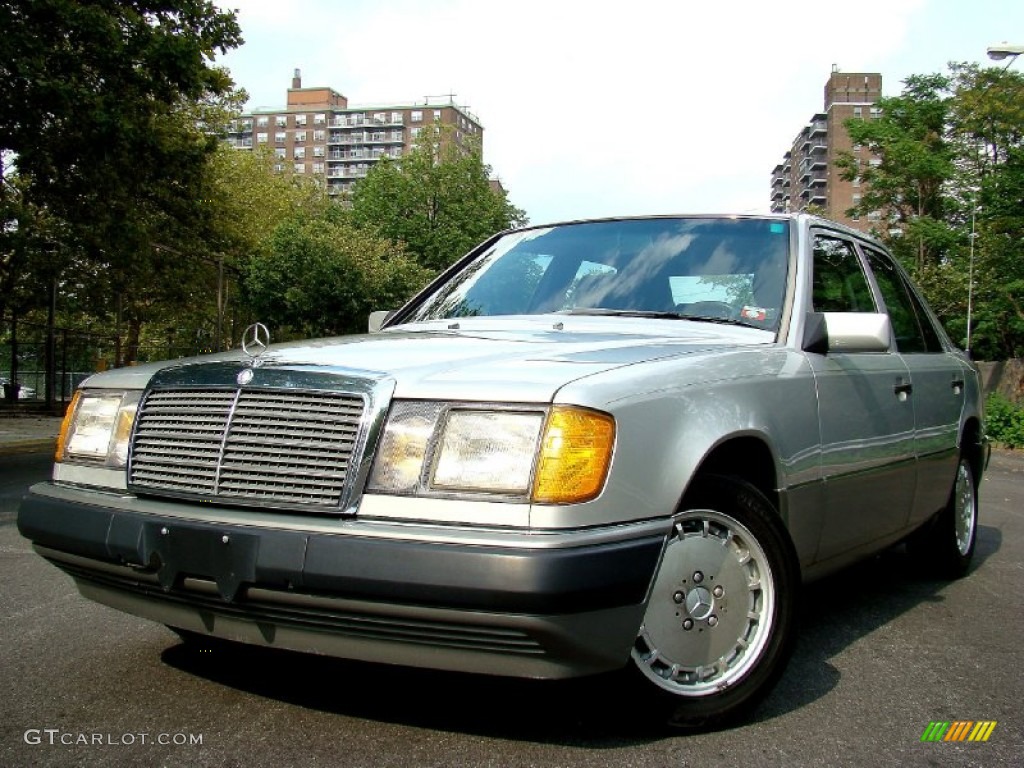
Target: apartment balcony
[362,121]
[818,128]
[346,172]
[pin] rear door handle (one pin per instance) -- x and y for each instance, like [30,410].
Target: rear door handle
[958,386]
[903,390]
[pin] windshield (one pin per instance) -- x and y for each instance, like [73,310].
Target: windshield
[721,269]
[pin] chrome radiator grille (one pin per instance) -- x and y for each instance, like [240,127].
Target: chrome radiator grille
[281,448]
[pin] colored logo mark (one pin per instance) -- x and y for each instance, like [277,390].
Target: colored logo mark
[959,730]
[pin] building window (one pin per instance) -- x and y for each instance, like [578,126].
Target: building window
[876,112]
[414,133]
[300,152]
[319,151]
[278,167]
[300,121]
[281,121]
[261,137]
[280,152]
[300,167]
[396,117]
[319,119]
[416,116]
[261,122]
[380,117]
[300,137]
[437,114]
[857,112]
[318,167]
[319,135]
[279,137]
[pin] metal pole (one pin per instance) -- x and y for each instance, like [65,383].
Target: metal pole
[220,304]
[51,347]
[970,280]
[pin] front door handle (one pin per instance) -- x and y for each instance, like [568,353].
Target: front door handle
[903,390]
[958,386]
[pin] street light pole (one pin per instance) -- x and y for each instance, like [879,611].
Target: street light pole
[996,53]
[970,279]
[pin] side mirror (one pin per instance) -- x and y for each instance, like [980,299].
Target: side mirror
[826,332]
[378,318]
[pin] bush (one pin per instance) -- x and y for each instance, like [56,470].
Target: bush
[1004,421]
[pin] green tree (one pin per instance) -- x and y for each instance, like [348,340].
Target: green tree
[946,188]
[987,126]
[437,200]
[907,186]
[95,97]
[322,275]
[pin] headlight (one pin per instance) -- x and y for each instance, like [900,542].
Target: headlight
[555,455]
[488,451]
[97,427]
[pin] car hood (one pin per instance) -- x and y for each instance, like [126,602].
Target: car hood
[521,360]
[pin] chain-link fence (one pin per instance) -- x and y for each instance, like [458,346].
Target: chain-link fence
[40,365]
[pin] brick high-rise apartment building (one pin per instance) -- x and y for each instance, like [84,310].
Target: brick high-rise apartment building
[317,133]
[807,175]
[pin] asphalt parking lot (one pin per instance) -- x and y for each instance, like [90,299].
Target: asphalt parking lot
[882,653]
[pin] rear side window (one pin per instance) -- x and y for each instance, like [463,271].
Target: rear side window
[839,281]
[910,323]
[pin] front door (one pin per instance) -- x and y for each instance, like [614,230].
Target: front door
[866,417]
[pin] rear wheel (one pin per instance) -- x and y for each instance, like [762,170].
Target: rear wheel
[946,544]
[719,625]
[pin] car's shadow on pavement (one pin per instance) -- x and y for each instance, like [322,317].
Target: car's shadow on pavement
[851,604]
[839,611]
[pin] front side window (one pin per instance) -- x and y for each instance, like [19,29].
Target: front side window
[728,270]
[839,281]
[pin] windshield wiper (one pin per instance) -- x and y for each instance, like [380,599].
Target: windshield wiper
[652,314]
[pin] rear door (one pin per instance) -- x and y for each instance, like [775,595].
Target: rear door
[937,381]
[865,414]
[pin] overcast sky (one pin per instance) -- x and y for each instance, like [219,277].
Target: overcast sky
[596,108]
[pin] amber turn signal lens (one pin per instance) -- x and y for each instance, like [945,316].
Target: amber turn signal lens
[69,415]
[575,453]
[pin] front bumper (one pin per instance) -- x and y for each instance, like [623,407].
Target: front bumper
[511,610]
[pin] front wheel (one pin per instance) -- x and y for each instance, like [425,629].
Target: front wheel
[719,625]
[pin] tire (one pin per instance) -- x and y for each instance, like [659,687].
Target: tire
[945,546]
[720,622]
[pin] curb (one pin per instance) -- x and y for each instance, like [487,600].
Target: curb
[32,445]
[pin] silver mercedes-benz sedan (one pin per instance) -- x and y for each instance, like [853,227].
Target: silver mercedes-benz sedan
[612,445]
